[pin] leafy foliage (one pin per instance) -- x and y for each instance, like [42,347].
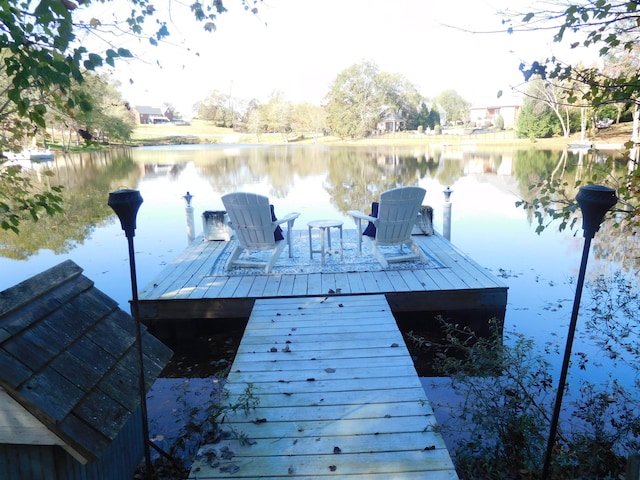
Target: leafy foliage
[613,29]
[551,198]
[20,202]
[355,101]
[201,426]
[609,26]
[535,121]
[457,108]
[43,65]
[507,395]
[428,117]
[361,94]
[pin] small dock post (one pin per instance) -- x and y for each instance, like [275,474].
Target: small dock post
[191,230]
[446,214]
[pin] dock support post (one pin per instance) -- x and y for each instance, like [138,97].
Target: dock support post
[191,229]
[446,214]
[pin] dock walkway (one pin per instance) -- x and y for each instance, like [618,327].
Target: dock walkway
[338,395]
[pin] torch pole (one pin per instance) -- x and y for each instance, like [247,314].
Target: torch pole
[594,201]
[125,203]
[567,359]
[135,310]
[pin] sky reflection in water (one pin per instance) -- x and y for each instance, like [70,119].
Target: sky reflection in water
[540,270]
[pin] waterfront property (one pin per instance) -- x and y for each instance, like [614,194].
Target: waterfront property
[338,396]
[337,389]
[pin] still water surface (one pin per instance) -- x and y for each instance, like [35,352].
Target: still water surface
[318,182]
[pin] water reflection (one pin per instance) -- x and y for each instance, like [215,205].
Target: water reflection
[85,178]
[322,182]
[312,179]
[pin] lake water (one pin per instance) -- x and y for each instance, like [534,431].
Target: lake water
[326,182]
[318,182]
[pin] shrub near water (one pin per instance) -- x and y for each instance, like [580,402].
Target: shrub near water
[501,426]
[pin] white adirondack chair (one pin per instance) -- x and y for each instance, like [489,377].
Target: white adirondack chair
[398,211]
[251,217]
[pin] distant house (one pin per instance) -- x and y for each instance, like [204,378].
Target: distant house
[69,380]
[487,113]
[150,115]
[390,122]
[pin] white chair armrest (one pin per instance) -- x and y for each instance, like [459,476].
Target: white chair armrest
[361,215]
[290,217]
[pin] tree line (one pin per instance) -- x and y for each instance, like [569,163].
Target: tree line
[359,98]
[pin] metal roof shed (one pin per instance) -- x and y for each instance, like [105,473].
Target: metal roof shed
[69,399]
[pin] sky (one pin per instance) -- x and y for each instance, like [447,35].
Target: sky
[299,47]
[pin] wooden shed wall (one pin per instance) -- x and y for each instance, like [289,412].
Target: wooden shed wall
[50,462]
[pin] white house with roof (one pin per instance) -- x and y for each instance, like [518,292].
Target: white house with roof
[488,111]
[150,115]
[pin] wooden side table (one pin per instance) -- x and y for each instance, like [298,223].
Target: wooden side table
[324,225]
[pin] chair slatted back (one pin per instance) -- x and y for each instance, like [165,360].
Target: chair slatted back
[397,214]
[250,217]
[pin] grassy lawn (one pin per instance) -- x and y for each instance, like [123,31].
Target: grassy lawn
[199,131]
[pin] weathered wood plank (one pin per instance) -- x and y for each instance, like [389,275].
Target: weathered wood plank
[257,287]
[397,280]
[210,287]
[389,464]
[365,354]
[286,285]
[356,284]
[300,285]
[322,368]
[336,397]
[427,282]
[418,287]
[345,365]
[175,271]
[228,289]
[18,426]
[410,279]
[382,280]
[272,286]
[342,283]
[286,322]
[328,283]
[360,385]
[244,287]
[24,292]
[319,300]
[314,284]
[188,284]
[442,281]
[312,445]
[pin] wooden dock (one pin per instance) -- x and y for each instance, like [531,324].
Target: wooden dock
[338,398]
[190,293]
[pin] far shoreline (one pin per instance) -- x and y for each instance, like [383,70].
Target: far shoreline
[613,138]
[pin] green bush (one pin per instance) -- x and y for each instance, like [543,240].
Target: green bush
[501,425]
